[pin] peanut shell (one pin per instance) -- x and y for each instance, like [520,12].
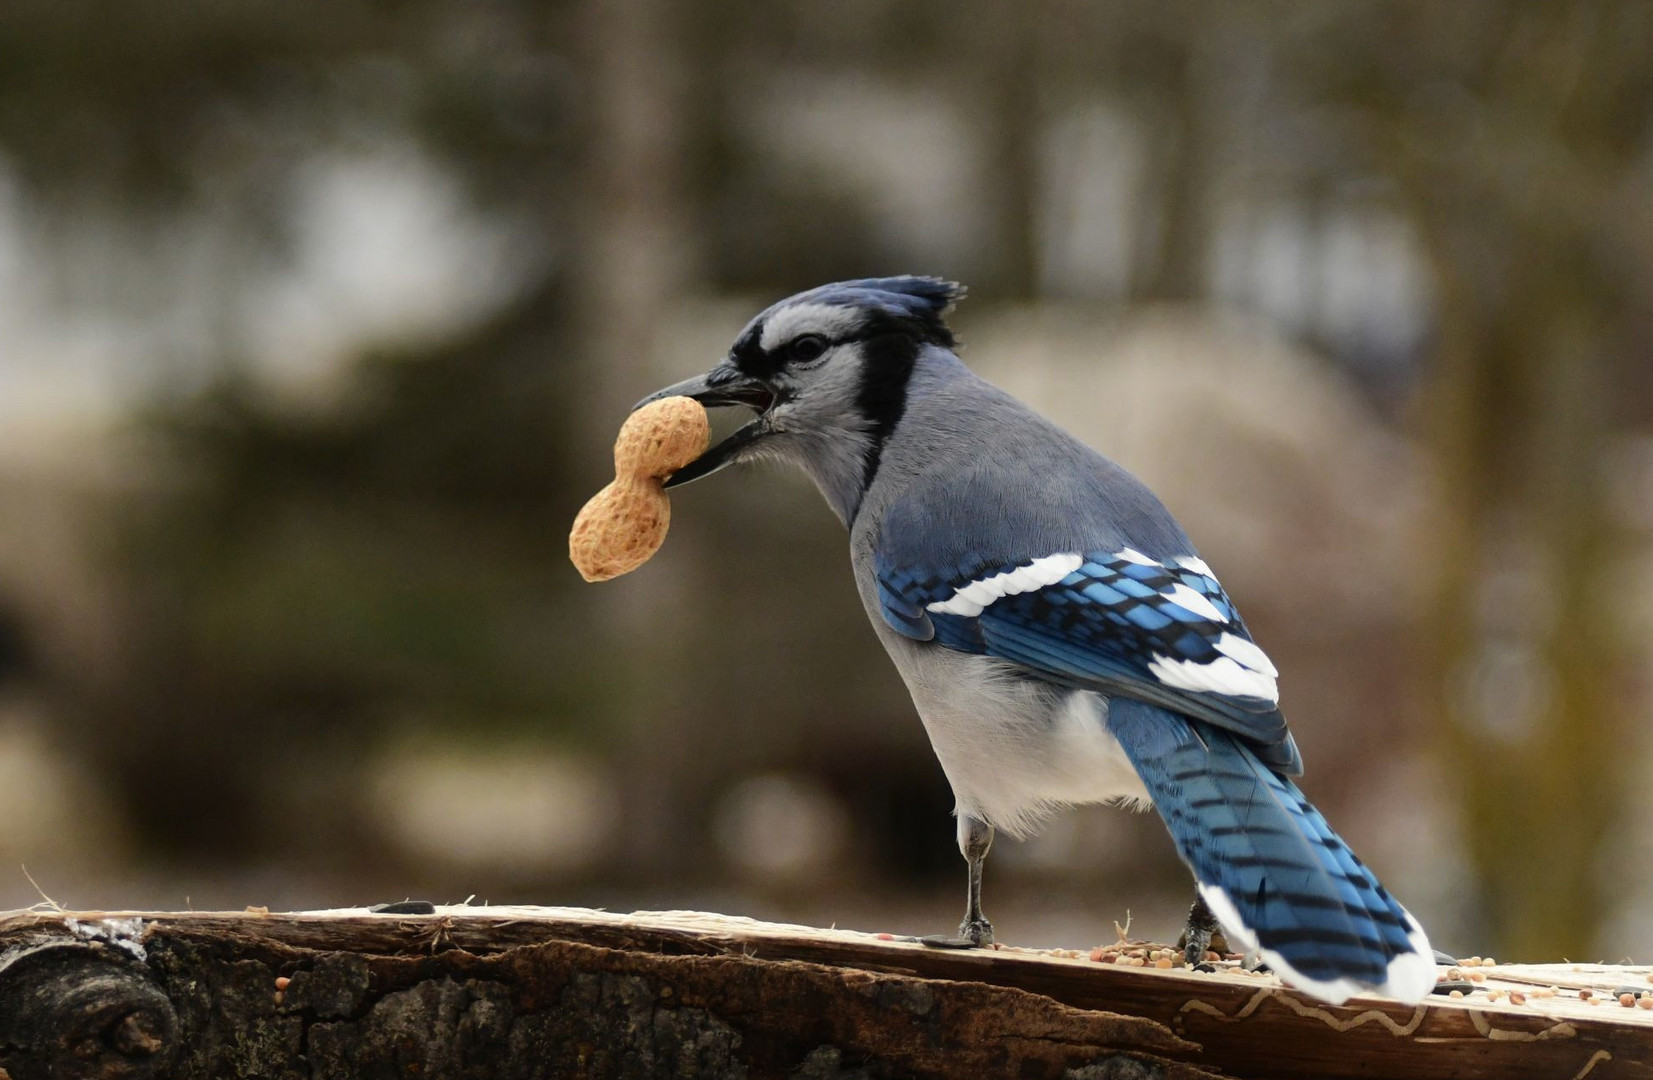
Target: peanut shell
[623,525]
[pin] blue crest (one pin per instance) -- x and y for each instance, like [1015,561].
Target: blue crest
[910,296]
[924,301]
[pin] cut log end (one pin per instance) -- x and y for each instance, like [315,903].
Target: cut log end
[71,1008]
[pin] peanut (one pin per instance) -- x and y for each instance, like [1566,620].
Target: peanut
[623,525]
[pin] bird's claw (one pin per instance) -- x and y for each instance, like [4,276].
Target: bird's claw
[973,934]
[1199,933]
[1195,944]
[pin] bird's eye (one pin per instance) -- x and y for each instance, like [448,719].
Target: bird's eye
[806,347]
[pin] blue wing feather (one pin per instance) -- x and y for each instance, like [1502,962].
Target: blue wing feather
[1102,627]
[903,614]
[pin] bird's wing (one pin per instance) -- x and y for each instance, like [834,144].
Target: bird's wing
[1160,630]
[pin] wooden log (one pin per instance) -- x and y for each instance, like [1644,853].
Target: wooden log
[510,993]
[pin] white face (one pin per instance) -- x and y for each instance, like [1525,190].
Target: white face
[814,354]
[827,373]
[826,365]
[817,355]
[828,321]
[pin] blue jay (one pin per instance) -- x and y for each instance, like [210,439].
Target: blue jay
[1060,636]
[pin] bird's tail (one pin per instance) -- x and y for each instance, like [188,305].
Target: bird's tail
[1270,868]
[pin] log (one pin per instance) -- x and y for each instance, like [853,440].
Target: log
[512,992]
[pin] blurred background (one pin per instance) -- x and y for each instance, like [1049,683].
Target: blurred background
[317,320]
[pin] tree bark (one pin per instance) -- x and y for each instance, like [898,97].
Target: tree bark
[503,993]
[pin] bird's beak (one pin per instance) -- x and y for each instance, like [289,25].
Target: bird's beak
[723,385]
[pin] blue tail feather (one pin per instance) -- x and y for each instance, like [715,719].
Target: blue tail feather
[1269,865]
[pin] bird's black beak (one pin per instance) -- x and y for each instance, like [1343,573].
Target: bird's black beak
[722,386]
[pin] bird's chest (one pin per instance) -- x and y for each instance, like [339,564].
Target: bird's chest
[1014,749]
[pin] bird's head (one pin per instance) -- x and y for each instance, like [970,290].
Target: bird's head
[826,371]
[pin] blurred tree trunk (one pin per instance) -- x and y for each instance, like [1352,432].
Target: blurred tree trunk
[633,259]
[1008,67]
[1521,402]
[1522,660]
[634,248]
[1180,146]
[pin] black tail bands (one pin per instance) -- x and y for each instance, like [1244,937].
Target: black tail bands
[1273,872]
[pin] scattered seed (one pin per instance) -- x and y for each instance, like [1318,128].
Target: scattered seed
[1163,962]
[1627,1000]
[1644,1002]
[1456,994]
[1478,976]
[1517,998]
[1489,962]
[1586,994]
[283,982]
[885,937]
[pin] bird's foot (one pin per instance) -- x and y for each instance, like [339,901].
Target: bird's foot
[1195,942]
[1201,935]
[973,934]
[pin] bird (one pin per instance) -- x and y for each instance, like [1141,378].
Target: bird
[1062,640]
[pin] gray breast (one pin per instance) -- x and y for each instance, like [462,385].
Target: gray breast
[1014,749]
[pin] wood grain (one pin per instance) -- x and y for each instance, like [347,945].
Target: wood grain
[764,999]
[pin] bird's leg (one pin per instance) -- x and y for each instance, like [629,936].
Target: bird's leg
[1196,938]
[975,837]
